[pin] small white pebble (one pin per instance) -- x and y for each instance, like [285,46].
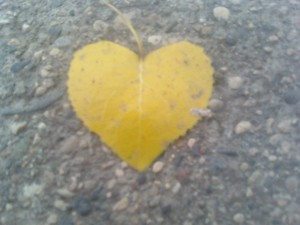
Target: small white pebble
[154,39]
[235,82]
[111,183]
[39,91]
[55,52]
[157,167]
[119,173]
[17,127]
[176,188]
[215,104]
[249,193]
[61,205]
[244,166]
[239,218]
[191,142]
[221,13]
[272,158]
[52,219]
[243,127]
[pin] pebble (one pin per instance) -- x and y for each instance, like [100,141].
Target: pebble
[235,2]
[40,90]
[243,127]
[154,39]
[70,144]
[8,207]
[65,220]
[82,206]
[176,188]
[52,219]
[249,192]
[111,183]
[239,218]
[56,3]
[20,88]
[285,126]
[121,205]
[215,104]
[191,142]
[119,173]
[291,97]
[100,26]
[32,190]
[25,27]
[55,31]
[18,66]
[221,13]
[157,166]
[292,184]
[273,39]
[275,139]
[254,177]
[244,166]
[17,127]
[61,205]
[64,192]
[55,52]
[285,147]
[64,41]
[235,82]
[90,185]
[141,179]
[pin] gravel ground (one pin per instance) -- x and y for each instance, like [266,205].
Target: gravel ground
[242,166]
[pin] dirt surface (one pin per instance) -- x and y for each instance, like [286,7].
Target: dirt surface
[242,166]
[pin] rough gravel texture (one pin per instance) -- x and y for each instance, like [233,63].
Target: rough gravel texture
[54,171]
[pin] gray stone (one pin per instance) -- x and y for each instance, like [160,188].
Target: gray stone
[291,97]
[56,3]
[64,41]
[18,66]
[292,184]
[55,31]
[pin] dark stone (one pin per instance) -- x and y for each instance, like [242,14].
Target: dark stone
[166,210]
[178,160]
[98,195]
[141,179]
[231,40]
[55,31]
[72,13]
[291,97]
[217,164]
[65,220]
[82,206]
[18,66]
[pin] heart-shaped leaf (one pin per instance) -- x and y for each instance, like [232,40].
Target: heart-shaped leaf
[139,106]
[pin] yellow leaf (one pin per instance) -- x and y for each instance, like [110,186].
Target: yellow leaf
[139,106]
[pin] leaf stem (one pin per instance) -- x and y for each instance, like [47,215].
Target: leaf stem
[129,26]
